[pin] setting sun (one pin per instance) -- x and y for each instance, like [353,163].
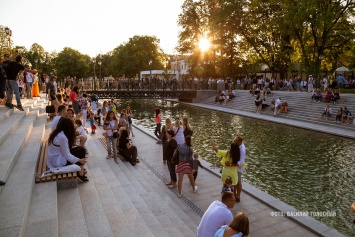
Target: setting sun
[204,44]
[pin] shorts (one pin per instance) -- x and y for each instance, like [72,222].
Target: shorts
[76,108]
[52,97]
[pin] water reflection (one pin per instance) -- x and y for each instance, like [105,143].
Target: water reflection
[308,170]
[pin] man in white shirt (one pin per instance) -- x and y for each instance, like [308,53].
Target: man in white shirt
[241,163]
[216,215]
[277,106]
[62,112]
[29,82]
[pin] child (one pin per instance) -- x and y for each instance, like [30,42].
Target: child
[81,133]
[227,185]
[92,122]
[197,163]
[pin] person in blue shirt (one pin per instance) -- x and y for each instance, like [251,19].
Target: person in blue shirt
[340,80]
[347,115]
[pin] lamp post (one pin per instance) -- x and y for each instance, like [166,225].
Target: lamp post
[94,77]
[99,62]
[150,74]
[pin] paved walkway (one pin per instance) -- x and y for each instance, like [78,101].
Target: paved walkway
[262,209]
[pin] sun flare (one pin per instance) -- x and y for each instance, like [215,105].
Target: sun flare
[204,44]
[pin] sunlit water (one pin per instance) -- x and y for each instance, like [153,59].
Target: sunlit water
[311,171]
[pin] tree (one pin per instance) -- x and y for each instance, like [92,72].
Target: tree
[132,57]
[272,32]
[70,62]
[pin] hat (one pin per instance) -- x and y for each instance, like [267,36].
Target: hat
[310,75]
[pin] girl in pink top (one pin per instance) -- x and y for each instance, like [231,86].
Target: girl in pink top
[158,118]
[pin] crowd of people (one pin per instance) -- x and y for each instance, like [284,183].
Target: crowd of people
[12,82]
[181,160]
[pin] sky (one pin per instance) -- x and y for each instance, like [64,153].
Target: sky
[89,26]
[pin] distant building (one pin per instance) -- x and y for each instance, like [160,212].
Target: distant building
[178,69]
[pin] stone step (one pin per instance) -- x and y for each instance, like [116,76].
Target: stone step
[185,223]
[16,196]
[116,201]
[43,214]
[9,124]
[135,196]
[13,145]
[301,109]
[5,113]
[71,221]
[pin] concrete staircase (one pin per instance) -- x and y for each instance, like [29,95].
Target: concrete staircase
[119,200]
[20,138]
[300,107]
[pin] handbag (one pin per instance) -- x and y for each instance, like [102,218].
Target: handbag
[115,135]
[50,109]
[61,170]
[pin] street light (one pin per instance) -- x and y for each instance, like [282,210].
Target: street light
[94,77]
[99,62]
[150,74]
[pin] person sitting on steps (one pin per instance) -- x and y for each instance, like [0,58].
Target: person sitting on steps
[339,115]
[327,112]
[127,149]
[347,115]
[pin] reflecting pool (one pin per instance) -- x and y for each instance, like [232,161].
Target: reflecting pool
[311,171]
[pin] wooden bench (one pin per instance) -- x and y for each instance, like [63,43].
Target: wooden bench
[68,180]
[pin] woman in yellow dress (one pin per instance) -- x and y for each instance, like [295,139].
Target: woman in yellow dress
[35,88]
[229,161]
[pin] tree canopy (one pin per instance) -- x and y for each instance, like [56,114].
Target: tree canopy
[271,32]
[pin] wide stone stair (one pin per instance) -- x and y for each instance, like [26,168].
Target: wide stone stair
[118,200]
[21,133]
[300,107]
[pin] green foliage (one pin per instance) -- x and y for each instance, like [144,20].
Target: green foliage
[272,32]
[130,58]
[70,62]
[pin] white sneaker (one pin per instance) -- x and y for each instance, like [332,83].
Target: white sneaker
[179,195]
[195,189]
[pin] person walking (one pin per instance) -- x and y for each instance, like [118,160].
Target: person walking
[185,165]
[12,69]
[158,118]
[169,147]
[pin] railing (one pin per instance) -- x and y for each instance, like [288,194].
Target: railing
[147,85]
[145,94]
